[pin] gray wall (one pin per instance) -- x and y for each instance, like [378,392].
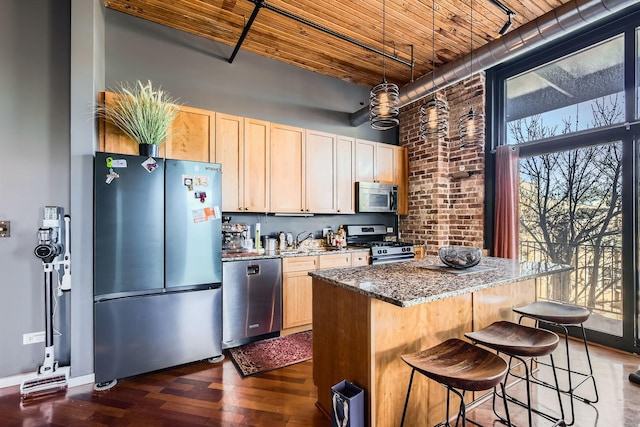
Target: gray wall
[34,149]
[47,138]
[196,70]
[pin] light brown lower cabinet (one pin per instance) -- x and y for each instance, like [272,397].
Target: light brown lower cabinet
[297,285]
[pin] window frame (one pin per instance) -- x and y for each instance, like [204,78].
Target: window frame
[628,132]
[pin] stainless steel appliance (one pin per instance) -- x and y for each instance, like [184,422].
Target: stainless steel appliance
[157,265]
[376,197]
[234,236]
[372,237]
[252,300]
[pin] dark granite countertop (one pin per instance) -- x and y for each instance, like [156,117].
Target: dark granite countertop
[415,282]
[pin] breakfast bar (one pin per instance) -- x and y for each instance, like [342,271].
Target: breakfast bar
[365,318]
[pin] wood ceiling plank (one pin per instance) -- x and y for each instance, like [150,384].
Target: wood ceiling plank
[406,23]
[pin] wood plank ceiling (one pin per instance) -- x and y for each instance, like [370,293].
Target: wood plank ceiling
[408,23]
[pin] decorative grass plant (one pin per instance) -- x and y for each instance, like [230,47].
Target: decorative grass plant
[141,112]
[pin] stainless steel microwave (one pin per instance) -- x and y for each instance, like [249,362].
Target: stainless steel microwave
[376,197]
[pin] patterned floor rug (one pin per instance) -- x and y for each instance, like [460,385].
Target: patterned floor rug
[273,353]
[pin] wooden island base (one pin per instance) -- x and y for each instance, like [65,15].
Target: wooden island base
[361,339]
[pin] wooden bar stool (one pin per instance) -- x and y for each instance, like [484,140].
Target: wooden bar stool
[520,342]
[460,367]
[564,316]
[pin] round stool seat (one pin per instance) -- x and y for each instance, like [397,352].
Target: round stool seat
[515,339]
[564,314]
[458,364]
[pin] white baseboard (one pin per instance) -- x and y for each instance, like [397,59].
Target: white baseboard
[15,380]
[85,379]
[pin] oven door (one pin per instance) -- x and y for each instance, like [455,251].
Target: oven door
[375,197]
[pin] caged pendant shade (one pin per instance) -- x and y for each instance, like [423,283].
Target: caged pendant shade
[434,114]
[384,97]
[471,125]
[471,130]
[383,104]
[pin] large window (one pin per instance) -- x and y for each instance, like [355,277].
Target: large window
[573,110]
[583,90]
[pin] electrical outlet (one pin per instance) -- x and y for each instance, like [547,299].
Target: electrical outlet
[32,338]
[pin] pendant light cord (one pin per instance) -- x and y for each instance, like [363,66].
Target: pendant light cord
[471,37]
[433,47]
[384,69]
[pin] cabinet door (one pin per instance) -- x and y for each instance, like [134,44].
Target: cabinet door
[321,172]
[359,259]
[365,161]
[384,163]
[192,136]
[256,155]
[401,178]
[341,260]
[300,263]
[345,175]
[287,169]
[112,140]
[296,299]
[229,143]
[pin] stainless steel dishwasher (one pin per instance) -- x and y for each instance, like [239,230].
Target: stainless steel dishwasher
[251,300]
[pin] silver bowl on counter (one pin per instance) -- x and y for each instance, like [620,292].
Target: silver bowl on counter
[460,256]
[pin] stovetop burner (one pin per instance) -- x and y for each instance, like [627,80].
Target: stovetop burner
[382,251]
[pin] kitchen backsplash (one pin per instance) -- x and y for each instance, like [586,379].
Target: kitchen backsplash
[271,225]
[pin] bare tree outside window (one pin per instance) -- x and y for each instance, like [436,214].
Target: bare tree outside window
[570,210]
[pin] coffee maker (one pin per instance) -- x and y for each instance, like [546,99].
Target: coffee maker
[233,235]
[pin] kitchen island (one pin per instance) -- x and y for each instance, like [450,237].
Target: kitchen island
[365,318]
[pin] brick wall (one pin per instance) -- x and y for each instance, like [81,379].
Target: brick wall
[446,183]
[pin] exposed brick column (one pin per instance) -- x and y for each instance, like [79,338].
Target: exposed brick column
[446,204]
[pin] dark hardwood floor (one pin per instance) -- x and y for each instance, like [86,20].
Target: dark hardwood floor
[203,394]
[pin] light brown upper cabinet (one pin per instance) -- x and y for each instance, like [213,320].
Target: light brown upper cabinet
[229,152]
[287,169]
[384,163]
[329,170]
[374,162]
[242,147]
[192,135]
[257,155]
[320,165]
[345,174]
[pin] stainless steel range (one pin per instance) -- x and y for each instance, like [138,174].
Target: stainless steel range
[372,237]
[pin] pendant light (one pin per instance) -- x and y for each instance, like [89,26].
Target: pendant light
[384,97]
[471,126]
[434,114]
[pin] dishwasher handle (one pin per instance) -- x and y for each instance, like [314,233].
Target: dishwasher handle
[253,270]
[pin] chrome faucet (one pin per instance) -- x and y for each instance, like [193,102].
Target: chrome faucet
[297,242]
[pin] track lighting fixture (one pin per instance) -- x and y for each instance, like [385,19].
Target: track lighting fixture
[506,26]
[510,14]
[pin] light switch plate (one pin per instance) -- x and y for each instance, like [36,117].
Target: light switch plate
[5,228]
[389,229]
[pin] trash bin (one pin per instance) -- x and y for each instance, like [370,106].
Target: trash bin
[347,405]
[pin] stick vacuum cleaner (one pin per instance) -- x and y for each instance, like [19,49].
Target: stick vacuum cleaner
[55,256]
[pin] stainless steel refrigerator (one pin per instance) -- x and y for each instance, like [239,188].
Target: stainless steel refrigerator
[157,263]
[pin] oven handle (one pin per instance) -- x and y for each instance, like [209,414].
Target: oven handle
[393,199]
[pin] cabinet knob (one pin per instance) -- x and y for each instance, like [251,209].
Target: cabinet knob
[246,209]
[338,210]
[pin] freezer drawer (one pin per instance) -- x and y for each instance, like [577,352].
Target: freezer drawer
[252,300]
[145,333]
